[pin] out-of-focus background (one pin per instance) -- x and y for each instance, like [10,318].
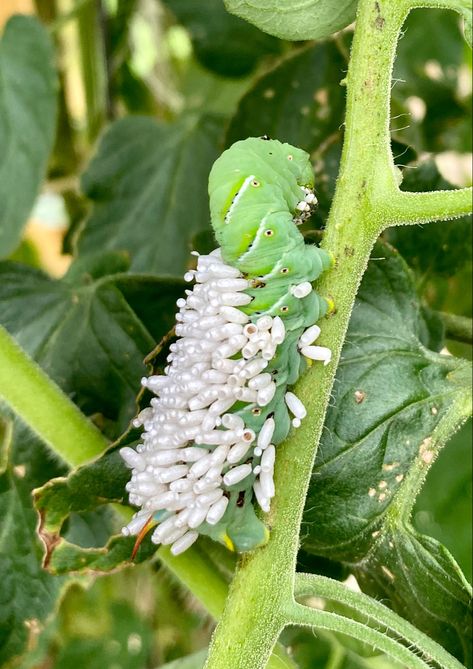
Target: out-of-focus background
[176,60]
[171,57]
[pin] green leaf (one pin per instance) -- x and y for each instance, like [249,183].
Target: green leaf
[30,456]
[83,330]
[407,568]
[391,397]
[32,464]
[429,69]
[148,185]
[27,121]
[223,43]
[301,102]
[68,557]
[449,486]
[297,20]
[28,593]
[85,489]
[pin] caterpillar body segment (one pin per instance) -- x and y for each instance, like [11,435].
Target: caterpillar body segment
[245,335]
[256,232]
[248,167]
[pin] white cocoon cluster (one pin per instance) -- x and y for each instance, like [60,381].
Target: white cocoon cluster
[218,359]
[187,483]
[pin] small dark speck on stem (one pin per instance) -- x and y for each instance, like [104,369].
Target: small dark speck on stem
[379,21]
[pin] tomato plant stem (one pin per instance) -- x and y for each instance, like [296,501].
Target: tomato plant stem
[42,405]
[259,602]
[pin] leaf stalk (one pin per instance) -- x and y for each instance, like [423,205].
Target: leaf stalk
[42,405]
[376,614]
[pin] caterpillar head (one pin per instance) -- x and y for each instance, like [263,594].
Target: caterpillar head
[299,164]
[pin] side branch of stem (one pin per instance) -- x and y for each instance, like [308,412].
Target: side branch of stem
[377,613]
[404,208]
[42,405]
[298,614]
[261,600]
[455,5]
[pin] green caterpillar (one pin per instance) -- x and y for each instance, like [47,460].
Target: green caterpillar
[255,190]
[223,403]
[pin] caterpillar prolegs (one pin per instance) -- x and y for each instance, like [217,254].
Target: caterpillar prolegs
[245,333]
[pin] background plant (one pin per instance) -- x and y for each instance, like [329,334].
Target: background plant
[395,403]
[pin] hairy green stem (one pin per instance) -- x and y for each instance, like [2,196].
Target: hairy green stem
[42,405]
[403,208]
[198,574]
[263,585]
[459,328]
[390,205]
[194,570]
[297,614]
[320,586]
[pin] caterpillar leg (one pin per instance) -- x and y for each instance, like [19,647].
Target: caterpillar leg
[330,306]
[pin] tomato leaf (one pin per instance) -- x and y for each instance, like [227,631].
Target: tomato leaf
[391,396]
[27,121]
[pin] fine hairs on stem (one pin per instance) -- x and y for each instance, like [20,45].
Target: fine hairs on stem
[368,196]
